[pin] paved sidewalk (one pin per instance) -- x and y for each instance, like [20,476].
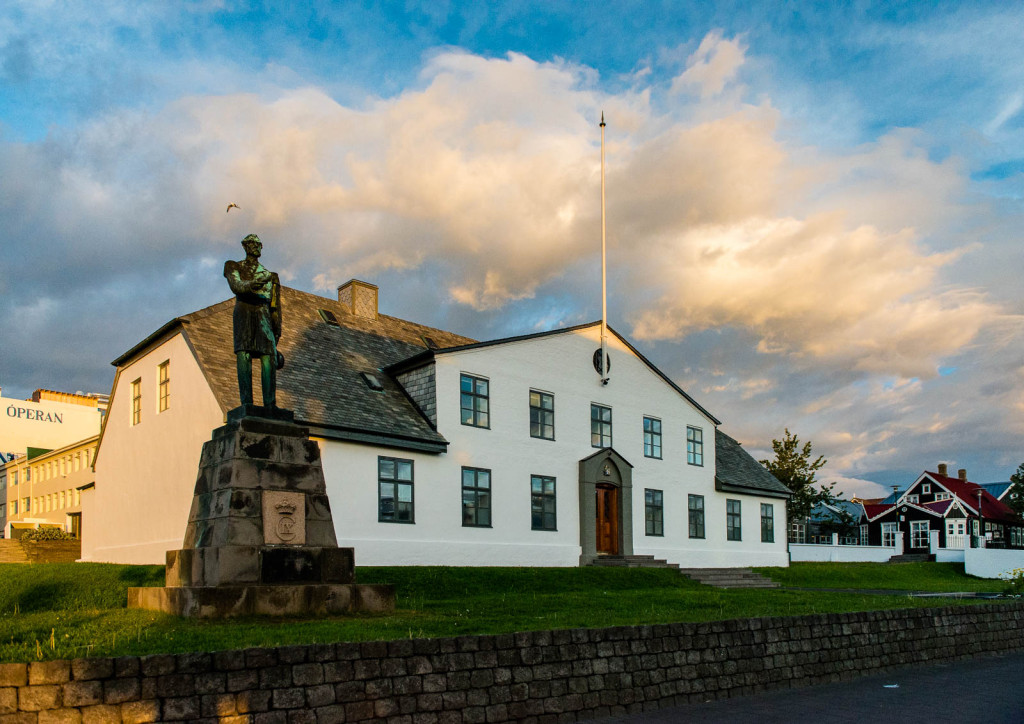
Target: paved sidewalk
[987,690]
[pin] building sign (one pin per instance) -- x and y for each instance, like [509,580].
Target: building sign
[25,413]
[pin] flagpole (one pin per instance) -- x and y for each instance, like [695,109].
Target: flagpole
[604,272]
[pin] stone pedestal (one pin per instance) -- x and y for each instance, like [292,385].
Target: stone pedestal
[260,538]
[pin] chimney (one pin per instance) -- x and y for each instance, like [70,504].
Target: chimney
[359,298]
[962,474]
[942,470]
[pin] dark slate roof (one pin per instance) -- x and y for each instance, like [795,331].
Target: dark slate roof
[321,381]
[737,471]
[825,511]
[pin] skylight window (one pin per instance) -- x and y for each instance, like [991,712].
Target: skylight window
[429,341]
[372,381]
[328,316]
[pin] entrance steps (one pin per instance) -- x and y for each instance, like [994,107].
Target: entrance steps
[729,577]
[913,558]
[633,562]
[717,577]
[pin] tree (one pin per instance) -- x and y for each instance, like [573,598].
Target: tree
[794,468]
[1015,495]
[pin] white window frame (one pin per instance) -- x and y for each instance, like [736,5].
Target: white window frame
[916,529]
[889,531]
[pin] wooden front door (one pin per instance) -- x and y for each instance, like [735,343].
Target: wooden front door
[607,519]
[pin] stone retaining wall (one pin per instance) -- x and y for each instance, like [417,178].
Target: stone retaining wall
[543,676]
[16,550]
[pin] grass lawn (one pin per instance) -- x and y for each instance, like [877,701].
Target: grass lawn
[884,576]
[78,609]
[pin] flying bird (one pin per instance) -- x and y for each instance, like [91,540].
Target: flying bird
[232,206]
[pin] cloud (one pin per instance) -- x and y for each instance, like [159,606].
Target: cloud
[711,66]
[490,166]
[826,286]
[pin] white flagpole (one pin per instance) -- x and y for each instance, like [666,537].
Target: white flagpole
[604,273]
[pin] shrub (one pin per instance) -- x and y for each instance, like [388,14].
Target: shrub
[47,534]
[1015,581]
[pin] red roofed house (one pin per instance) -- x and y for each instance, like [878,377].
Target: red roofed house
[948,506]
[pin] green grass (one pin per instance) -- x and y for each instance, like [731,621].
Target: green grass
[72,610]
[882,576]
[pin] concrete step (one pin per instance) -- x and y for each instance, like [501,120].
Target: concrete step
[632,562]
[728,577]
[913,558]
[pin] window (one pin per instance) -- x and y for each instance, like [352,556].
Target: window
[372,382]
[913,498]
[14,477]
[696,509]
[542,502]
[654,512]
[919,534]
[476,498]
[798,533]
[475,401]
[164,385]
[926,487]
[889,534]
[733,527]
[25,505]
[137,401]
[600,426]
[329,317]
[14,507]
[694,446]
[394,480]
[767,523]
[652,437]
[542,415]
[863,535]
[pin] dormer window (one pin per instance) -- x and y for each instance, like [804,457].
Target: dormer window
[914,498]
[328,316]
[372,381]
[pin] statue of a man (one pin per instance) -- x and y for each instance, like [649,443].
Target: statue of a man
[257,321]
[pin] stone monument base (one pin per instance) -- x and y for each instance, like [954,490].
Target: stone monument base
[288,600]
[260,537]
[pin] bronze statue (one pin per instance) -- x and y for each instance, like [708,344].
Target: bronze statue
[257,321]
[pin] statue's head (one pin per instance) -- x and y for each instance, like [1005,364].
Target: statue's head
[252,245]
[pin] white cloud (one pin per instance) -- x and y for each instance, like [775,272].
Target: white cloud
[711,66]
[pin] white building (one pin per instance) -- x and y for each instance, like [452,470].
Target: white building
[441,450]
[48,420]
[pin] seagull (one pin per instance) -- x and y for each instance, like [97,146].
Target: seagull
[232,206]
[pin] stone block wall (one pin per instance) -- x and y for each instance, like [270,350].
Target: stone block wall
[15,550]
[542,676]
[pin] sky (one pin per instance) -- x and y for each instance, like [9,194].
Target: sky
[813,210]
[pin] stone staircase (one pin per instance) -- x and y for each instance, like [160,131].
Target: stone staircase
[717,577]
[913,558]
[729,577]
[633,562]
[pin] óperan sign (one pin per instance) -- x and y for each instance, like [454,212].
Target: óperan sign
[27,414]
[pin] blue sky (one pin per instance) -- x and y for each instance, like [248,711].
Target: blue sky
[814,212]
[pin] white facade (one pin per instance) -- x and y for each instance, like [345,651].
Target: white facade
[46,424]
[146,470]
